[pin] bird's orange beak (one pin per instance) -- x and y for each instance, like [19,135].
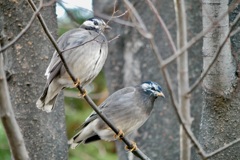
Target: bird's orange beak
[160,94]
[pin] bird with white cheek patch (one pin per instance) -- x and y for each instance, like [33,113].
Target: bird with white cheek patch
[85,51]
[128,109]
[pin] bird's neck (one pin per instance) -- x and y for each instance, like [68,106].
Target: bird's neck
[148,100]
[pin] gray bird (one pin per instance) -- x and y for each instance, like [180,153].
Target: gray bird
[127,109]
[85,51]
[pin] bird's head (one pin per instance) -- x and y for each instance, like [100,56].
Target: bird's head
[95,24]
[152,88]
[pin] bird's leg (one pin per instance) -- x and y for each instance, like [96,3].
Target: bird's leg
[76,83]
[119,135]
[133,147]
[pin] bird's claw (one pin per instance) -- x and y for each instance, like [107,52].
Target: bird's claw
[133,147]
[119,135]
[83,94]
[77,82]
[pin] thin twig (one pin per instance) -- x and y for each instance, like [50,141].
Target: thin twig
[197,82]
[116,20]
[137,20]
[114,38]
[162,23]
[198,36]
[167,78]
[137,152]
[173,98]
[61,51]
[114,11]
[24,30]
[222,148]
[181,120]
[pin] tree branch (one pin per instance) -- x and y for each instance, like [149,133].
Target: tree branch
[222,148]
[116,20]
[172,95]
[180,118]
[137,152]
[198,36]
[137,20]
[24,30]
[162,23]
[183,80]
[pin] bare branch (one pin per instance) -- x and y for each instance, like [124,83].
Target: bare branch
[222,148]
[114,38]
[137,152]
[116,20]
[181,120]
[24,30]
[15,138]
[61,51]
[183,79]
[199,36]
[196,83]
[173,98]
[161,22]
[139,24]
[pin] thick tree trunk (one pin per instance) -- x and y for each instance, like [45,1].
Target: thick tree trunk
[131,61]
[219,124]
[44,134]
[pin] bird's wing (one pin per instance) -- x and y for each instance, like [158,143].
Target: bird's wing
[69,40]
[125,92]
[118,97]
[125,110]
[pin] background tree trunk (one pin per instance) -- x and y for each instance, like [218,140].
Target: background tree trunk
[25,62]
[131,61]
[220,116]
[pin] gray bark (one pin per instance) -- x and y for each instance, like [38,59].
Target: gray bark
[15,138]
[219,124]
[131,61]
[44,134]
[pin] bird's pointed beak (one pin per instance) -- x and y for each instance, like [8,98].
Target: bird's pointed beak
[160,94]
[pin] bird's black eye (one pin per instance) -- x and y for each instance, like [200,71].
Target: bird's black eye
[95,23]
[153,88]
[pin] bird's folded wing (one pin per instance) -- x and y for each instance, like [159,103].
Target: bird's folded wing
[68,41]
[108,102]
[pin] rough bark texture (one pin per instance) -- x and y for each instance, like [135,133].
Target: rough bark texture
[220,116]
[132,61]
[25,62]
[15,138]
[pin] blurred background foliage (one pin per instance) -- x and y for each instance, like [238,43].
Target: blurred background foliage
[76,109]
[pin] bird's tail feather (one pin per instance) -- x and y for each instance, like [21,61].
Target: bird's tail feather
[46,102]
[72,143]
[83,136]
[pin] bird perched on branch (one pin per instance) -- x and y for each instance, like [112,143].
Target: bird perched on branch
[85,50]
[127,109]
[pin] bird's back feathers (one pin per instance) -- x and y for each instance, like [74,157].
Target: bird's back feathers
[85,52]
[126,102]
